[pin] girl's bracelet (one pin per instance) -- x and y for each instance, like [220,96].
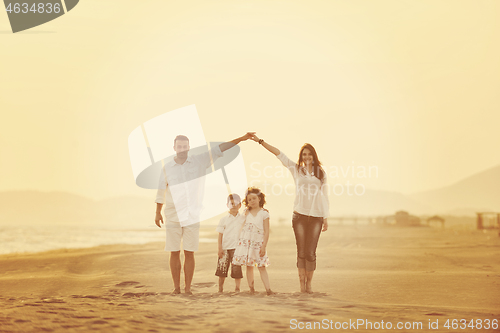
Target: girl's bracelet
[260,141]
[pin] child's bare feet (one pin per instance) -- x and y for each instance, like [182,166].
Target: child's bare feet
[270,292]
[252,290]
[176,291]
[237,290]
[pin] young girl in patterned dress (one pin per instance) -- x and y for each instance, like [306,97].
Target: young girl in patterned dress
[254,235]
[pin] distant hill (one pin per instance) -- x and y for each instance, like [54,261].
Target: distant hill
[371,203]
[479,192]
[67,209]
[375,202]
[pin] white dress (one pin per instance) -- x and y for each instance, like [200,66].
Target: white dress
[251,240]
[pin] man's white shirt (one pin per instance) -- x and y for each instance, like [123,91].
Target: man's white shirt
[181,187]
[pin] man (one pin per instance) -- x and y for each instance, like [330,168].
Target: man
[181,190]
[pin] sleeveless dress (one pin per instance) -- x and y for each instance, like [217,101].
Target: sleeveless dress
[250,241]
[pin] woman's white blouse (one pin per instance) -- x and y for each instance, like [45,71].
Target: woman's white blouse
[311,197]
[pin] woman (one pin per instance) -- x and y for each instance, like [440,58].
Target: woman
[311,207]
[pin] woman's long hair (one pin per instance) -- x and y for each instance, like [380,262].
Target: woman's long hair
[317,169]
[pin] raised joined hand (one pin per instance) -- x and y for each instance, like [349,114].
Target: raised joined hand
[255,138]
[248,135]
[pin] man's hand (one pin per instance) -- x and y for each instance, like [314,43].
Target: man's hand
[247,136]
[158,219]
[325,225]
[221,253]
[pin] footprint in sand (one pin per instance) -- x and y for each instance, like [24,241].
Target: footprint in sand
[65,309]
[126,283]
[53,300]
[168,329]
[139,294]
[318,314]
[204,285]
[86,296]
[83,317]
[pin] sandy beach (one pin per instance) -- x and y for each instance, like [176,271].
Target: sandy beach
[367,273]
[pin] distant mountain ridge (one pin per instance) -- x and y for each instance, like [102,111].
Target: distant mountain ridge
[35,207]
[479,192]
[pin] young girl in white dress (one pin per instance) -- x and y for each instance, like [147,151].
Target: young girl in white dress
[254,235]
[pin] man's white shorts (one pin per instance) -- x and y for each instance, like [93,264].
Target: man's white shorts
[190,236]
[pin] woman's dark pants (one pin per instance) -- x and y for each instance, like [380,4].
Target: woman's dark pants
[307,230]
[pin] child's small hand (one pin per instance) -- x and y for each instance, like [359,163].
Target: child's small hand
[262,251]
[221,253]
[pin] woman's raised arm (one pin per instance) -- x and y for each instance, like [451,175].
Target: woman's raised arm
[266,145]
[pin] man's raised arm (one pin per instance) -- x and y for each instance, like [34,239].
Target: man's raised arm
[226,145]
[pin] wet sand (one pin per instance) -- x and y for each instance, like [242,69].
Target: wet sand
[369,273]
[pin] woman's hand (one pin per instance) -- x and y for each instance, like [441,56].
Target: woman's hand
[325,225]
[255,138]
[262,251]
[247,136]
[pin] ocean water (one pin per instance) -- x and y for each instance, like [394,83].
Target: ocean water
[23,239]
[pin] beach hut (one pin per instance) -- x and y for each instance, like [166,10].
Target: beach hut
[489,216]
[405,219]
[435,218]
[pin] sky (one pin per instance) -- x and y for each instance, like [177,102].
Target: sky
[410,87]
